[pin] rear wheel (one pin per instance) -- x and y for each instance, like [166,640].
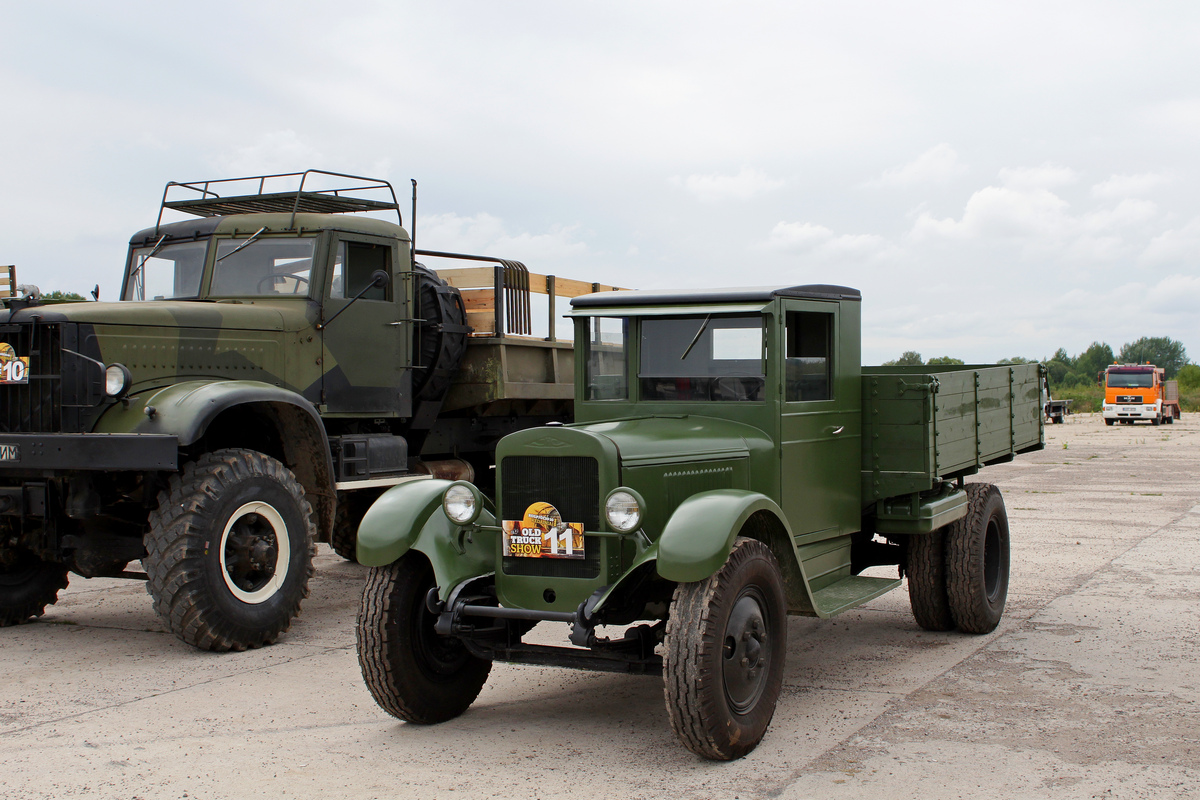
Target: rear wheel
[412,672]
[925,566]
[229,552]
[725,645]
[977,561]
[27,585]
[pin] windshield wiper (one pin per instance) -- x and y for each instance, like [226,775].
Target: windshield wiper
[696,338]
[137,271]
[242,245]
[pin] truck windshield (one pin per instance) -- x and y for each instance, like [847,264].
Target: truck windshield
[165,272]
[702,358]
[267,266]
[605,348]
[1130,380]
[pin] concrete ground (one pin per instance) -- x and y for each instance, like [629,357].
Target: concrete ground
[1089,688]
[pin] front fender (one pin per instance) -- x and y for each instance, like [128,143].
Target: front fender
[410,517]
[699,536]
[186,409]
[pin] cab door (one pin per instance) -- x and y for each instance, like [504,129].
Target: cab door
[366,353]
[820,434]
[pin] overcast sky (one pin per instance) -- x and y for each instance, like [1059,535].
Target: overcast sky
[998,179]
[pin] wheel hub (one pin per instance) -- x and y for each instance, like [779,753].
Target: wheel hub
[747,648]
[254,552]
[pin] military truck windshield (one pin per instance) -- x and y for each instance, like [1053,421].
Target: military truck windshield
[1121,379]
[702,358]
[267,266]
[166,272]
[605,358]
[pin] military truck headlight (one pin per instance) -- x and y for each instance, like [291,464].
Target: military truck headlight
[116,380]
[623,509]
[462,503]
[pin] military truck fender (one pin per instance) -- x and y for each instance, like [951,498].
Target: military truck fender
[410,517]
[700,534]
[192,409]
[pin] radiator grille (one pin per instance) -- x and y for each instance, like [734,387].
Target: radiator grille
[36,406]
[571,484]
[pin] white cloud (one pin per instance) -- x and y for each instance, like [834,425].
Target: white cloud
[746,184]
[1047,176]
[272,153]
[1173,246]
[484,234]
[1119,186]
[938,164]
[808,238]
[1000,212]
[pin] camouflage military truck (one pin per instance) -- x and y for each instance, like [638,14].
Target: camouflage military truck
[731,463]
[273,364]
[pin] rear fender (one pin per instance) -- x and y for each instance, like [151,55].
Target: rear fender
[410,517]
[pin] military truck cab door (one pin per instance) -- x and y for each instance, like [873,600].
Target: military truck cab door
[820,419]
[366,349]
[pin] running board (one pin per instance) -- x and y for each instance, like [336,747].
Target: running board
[850,592]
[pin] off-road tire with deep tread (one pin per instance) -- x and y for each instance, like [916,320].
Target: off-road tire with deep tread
[694,663]
[925,566]
[977,561]
[413,673]
[186,574]
[27,586]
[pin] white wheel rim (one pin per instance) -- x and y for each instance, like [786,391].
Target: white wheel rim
[282,556]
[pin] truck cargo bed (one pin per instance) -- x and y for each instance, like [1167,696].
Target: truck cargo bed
[921,426]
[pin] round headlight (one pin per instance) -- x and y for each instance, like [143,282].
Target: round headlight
[623,510]
[116,380]
[461,503]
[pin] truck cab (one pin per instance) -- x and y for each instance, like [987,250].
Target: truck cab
[1139,392]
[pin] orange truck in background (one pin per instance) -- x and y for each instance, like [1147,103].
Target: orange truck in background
[1139,391]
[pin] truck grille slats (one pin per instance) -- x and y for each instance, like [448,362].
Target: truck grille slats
[35,406]
[571,485]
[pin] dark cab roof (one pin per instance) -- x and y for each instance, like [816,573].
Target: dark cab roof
[746,294]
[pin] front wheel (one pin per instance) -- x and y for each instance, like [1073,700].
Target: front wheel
[977,556]
[412,672]
[1109,421]
[229,552]
[726,641]
[27,585]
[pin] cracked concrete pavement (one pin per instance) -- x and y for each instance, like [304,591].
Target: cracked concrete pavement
[1089,688]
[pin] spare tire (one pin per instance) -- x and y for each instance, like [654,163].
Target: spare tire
[441,335]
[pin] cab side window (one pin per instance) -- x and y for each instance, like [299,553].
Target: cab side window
[353,266]
[808,361]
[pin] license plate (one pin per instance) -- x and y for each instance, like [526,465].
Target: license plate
[10,452]
[13,368]
[542,533]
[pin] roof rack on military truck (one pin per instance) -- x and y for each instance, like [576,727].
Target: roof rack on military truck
[341,200]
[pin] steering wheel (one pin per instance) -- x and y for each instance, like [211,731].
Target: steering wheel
[273,278]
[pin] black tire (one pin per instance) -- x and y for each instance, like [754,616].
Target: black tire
[350,509]
[925,566]
[1109,421]
[413,673]
[725,645]
[229,552]
[27,586]
[977,556]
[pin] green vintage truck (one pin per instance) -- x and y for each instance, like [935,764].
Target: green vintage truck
[731,463]
[275,361]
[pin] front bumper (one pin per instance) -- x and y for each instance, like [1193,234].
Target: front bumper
[109,452]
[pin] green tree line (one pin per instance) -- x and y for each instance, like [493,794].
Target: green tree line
[1077,377]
